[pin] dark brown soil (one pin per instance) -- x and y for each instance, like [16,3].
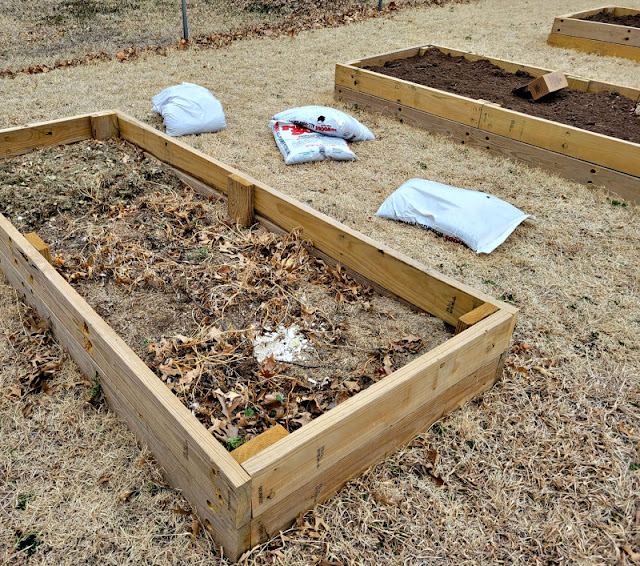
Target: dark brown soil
[195,296]
[605,113]
[607,18]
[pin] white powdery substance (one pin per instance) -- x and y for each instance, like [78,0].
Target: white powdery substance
[285,345]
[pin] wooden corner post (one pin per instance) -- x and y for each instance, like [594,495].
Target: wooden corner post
[240,194]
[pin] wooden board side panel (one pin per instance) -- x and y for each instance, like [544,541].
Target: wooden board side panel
[382,58]
[595,148]
[620,11]
[610,33]
[594,46]
[626,186]
[330,438]
[408,424]
[23,139]
[189,455]
[435,293]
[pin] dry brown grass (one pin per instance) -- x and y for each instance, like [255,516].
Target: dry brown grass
[542,470]
[42,33]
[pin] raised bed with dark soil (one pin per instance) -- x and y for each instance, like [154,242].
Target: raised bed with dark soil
[605,113]
[630,20]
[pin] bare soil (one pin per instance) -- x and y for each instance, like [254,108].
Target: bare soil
[630,21]
[605,113]
[195,296]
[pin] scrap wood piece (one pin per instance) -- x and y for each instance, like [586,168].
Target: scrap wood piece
[259,443]
[39,245]
[474,316]
[546,84]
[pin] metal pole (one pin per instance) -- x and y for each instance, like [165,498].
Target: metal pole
[379,4]
[185,29]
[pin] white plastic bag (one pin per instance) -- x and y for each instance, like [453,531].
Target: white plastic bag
[479,220]
[327,121]
[189,109]
[299,145]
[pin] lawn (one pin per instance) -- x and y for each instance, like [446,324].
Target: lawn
[543,469]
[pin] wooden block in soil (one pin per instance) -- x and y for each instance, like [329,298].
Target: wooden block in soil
[39,245]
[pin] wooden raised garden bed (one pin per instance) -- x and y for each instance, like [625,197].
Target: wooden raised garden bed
[245,504]
[603,31]
[572,152]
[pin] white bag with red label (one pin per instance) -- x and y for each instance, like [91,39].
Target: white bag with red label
[328,121]
[300,145]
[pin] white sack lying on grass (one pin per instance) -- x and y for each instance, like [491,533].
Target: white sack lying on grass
[299,145]
[189,109]
[328,121]
[479,220]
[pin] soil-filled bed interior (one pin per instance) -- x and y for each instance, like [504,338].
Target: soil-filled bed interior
[630,20]
[606,113]
[245,326]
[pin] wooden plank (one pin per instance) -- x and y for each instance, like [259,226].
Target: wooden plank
[459,108]
[240,200]
[23,139]
[382,58]
[620,11]
[40,246]
[594,46]
[104,125]
[431,291]
[361,420]
[322,486]
[625,186]
[611,33]
[259,443]
[194,460]
[474,316]
[620,155]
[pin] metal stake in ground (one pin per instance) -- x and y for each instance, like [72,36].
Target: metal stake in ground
[185,29]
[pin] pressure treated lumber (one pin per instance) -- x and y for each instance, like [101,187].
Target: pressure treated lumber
[573,32]
[570,151]
[316,448]
[190,456]
[23,139]
[41,247]
[321,486]
[240,200]
[280,474]
[625,186]
[475,316]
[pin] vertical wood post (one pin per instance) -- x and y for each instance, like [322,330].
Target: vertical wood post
[104,126]
[240,200]
[39,245]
